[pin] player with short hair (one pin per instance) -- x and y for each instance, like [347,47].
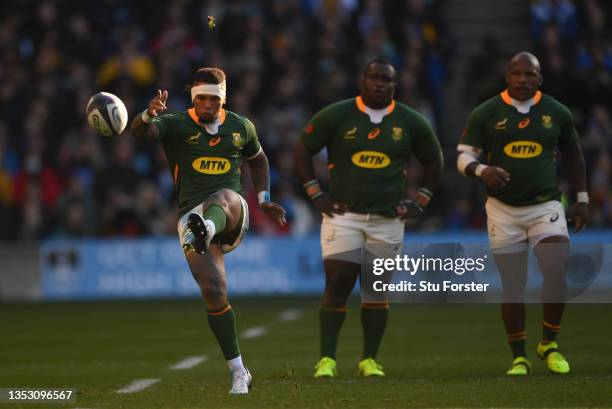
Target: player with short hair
[205,147]
[520,130]
[369,140]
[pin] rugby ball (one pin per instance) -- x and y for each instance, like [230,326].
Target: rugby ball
[106,114]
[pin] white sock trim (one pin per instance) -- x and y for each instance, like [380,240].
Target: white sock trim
[211,227]
[236,365]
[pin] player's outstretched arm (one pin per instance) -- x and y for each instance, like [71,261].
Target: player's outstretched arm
[260,173]
[576,172]
[305,170]
[142,128]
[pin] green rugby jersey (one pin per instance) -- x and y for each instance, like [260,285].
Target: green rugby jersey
[522,144]
[201,163]
[366,160]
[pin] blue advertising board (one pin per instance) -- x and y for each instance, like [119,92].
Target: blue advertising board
[157,268]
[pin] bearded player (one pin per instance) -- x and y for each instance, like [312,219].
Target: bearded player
[519,130]
[205,146]
[369,140]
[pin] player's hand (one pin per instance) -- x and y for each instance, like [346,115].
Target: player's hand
[408,209]
[326,204]
[495,177]
[579,215]
[158,103]
[275,211]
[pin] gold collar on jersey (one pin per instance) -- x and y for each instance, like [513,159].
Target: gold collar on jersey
[362,106]
[505,96]
[194,117]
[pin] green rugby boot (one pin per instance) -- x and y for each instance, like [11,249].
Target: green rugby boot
[325,368]
[520,367]
[369,367]
[556,362]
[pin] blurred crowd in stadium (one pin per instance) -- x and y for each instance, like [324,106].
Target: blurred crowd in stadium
[285,59]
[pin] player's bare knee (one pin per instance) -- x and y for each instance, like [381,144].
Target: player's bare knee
[336,295]
[333,302]
[214,294]
[228,200]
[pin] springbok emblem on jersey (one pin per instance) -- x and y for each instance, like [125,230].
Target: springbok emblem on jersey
[237,139]
[195,139]
[547,121]
[501,125]
[397,133]
[351,134]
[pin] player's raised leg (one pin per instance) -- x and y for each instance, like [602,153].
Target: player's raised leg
[552,252]
[221,213]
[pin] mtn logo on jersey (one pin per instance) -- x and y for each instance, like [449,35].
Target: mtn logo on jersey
[370,160]
[523,149]
[211,165]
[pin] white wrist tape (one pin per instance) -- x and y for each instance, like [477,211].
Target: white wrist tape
[218,90]
[263,196]
[479,169]
[467,155]
[582,197]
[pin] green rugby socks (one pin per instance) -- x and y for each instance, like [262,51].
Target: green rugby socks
[517,343]
[330,322]
[549,332]
[374,322]
[216,214]
[222,322]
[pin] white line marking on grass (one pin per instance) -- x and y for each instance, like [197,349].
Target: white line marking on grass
[289,315]
[138,385]
[189,362]
[254,332]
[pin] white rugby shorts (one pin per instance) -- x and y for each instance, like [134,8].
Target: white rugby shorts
[510,227]
[344,236]
[186,236]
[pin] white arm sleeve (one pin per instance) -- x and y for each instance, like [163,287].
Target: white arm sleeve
[467,155]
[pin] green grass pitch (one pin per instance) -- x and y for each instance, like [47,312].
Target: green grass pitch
[434,356]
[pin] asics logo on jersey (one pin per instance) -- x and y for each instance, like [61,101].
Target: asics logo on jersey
[523,124]
[370,160]
[211,165]
[374,133]
[214,141]
[523,149]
